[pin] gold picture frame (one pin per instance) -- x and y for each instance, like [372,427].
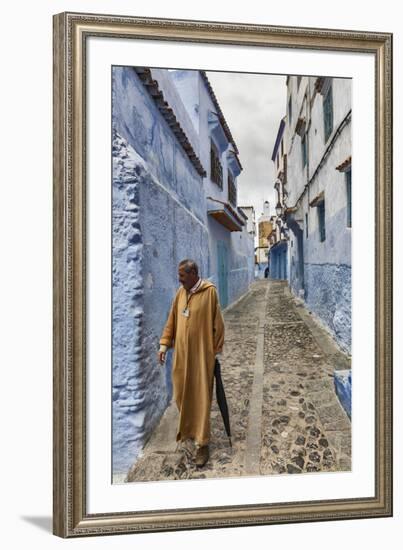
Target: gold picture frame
[71,31]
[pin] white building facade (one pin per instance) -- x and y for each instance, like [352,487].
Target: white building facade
[251,221]
[315,197]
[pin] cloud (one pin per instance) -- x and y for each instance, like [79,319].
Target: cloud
[253,106]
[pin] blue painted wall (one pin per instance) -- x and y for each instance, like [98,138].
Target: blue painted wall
[327,277]
[328,295]
[159,213]
[239,245]
[342,384]
[158,219]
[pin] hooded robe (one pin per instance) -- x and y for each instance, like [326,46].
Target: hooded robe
[196,338]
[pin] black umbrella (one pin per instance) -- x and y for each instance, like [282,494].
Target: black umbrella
[221,399]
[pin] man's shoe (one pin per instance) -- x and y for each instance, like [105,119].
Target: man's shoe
[202,456]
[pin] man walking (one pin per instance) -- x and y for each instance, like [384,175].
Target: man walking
[195,329]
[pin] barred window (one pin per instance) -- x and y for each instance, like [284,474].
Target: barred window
[231,190]
[216,168]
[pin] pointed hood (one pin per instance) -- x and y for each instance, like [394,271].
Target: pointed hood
[204,285]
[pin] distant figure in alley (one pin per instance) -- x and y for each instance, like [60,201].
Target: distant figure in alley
[195,329]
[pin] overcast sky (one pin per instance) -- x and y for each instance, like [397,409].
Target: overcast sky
[253,106]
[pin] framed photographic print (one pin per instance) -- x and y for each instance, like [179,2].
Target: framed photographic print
[222,281]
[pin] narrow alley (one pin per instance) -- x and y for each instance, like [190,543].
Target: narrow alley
[277,369]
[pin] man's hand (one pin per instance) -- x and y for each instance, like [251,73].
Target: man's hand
[161,354]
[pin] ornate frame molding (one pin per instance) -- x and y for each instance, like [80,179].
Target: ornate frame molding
[69,263]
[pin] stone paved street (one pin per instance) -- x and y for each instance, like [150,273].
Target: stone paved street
[277,369]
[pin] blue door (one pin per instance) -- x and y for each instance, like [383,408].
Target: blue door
[222,264]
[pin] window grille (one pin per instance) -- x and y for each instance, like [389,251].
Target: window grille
[216,168]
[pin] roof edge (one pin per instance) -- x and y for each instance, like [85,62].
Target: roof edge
[152,87]
[224,123]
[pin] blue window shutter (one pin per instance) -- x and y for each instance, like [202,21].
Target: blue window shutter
[321,216]
[348,190]
[328,112]
[303,145]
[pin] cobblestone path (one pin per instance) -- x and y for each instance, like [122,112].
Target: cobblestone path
[277,367]
[303,425]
